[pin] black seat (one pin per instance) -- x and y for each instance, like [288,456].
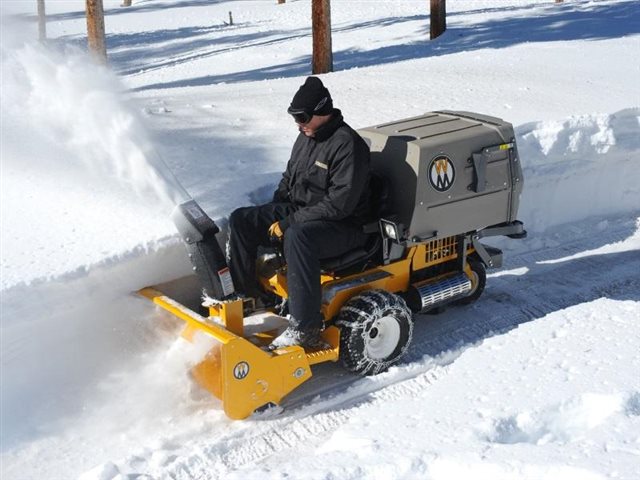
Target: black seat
[356,259]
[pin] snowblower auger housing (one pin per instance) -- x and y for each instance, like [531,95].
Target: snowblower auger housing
[444,181]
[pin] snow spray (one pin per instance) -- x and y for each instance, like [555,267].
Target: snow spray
[78,104]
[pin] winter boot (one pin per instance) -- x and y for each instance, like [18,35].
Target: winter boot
[293,335]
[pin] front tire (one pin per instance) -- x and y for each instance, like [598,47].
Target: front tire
[376,330]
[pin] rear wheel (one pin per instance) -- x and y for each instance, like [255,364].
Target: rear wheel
[479,279]
[376,329]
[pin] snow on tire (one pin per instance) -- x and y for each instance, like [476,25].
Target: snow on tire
[376,330]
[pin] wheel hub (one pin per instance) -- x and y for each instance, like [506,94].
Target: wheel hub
[475,280]
[383,338]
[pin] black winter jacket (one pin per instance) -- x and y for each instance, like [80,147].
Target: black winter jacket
[327,177]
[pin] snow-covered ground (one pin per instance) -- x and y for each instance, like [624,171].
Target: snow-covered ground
[538,380]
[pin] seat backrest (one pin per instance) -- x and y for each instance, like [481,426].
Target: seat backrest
[380,199]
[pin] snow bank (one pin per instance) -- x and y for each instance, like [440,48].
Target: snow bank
[60,339]
[581,167]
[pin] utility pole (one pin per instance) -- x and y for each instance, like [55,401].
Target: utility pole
[95,30]
[42,21]
[438,18]
[322,61]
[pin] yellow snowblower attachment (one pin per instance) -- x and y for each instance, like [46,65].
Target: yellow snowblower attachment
[244,376]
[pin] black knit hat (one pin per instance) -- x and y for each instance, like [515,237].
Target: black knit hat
[313,98]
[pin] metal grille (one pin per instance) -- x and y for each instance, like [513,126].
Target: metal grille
[443,249]
[434,293]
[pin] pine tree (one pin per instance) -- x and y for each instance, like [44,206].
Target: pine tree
[438,18]
[322,61]
[95,30]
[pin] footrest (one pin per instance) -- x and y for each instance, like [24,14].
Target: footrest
[321,356]
[332,336]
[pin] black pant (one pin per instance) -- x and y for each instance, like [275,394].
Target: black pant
[305,245]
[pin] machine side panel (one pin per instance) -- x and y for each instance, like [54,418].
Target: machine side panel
[446,202]
[454,218]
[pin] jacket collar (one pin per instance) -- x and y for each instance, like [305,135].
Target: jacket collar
[329,128]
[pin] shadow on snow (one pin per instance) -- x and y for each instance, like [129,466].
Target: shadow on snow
[566,22]
[145,6]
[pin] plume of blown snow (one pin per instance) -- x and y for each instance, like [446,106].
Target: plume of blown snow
[65,100]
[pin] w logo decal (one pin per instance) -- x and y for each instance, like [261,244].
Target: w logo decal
[241,370]
[441,173]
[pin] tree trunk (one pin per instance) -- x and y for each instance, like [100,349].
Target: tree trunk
[42,21]
[95,30]
[438,18]
[126,3]
[280,2]
[322,61]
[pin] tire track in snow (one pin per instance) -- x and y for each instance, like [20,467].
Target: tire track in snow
[303,426]
[510,300]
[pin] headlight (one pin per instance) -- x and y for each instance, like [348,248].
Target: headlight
[390,231]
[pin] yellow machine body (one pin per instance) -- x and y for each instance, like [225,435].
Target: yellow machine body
[242,373]
[236,370]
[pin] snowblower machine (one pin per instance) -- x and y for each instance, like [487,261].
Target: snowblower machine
[442,181]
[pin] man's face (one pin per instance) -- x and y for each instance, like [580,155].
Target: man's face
[310,128]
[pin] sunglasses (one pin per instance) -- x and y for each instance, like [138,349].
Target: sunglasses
[302,116]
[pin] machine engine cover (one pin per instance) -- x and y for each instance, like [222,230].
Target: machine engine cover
[449,172]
